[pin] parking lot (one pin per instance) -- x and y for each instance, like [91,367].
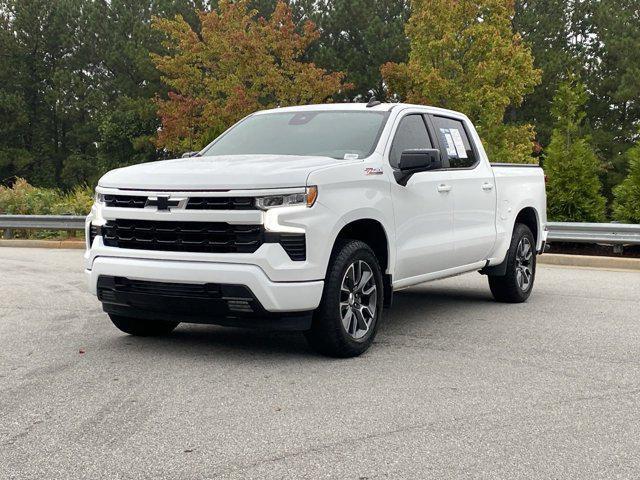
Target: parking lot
[456,386]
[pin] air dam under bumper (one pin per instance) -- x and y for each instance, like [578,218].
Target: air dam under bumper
[280,304]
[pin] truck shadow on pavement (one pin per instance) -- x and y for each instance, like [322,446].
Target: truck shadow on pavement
[417,308]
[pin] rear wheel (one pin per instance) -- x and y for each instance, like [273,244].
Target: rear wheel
[516,284]
[141,327]
[346,322]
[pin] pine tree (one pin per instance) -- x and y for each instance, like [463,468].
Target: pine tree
[547,27]
[572,167]
[612,57]
[626,207]
[465,56]
[358,37]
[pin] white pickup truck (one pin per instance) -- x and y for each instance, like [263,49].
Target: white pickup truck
[308,218]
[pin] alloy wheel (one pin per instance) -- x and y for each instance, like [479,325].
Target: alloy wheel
[524,264]
[358,299]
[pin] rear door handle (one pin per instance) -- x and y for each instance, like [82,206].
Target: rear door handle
[487,186]
[444,188]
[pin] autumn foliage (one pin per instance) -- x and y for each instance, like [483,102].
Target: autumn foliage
[234,64]
[465,56]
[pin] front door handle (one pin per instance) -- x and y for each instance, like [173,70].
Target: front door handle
[444,188]
[487,186]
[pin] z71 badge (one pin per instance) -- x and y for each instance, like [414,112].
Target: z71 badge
[372,171]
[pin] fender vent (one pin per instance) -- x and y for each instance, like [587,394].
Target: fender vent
[295,245]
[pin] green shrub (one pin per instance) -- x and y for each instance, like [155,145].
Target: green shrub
[626,206]
[25,199]
[76,202]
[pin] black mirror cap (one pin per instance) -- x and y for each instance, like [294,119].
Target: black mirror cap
[415,161]
[420,160]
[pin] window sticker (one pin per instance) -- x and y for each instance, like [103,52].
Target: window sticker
[448,141]
[350,156]
[457,141]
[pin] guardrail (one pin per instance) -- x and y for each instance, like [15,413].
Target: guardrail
[40,222]
[605,233]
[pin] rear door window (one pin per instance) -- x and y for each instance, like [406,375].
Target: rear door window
[454,142]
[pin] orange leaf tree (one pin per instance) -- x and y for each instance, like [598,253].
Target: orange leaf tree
[233,65]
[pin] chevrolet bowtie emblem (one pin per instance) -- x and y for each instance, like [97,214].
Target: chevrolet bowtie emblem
[162,202]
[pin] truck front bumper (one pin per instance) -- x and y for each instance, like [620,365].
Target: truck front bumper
[201,292]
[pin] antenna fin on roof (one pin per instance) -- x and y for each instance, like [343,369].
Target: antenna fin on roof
[373,102]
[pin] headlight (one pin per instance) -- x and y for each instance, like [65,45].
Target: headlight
[307,198]
[99,198]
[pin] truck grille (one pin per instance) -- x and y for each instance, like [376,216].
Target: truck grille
[109,286]
[125,201]
[187,299]
[194,203]
[210,237]
[221,203]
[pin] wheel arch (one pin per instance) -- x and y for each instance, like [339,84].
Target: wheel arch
[529,216]
[373,233]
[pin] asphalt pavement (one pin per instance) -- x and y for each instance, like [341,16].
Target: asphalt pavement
[455,386]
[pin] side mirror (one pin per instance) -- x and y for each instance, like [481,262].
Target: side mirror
[190,154]
[415,161]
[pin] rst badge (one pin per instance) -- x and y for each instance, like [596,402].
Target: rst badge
[372,171]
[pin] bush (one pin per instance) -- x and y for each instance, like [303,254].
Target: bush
[25,199]
[626,206]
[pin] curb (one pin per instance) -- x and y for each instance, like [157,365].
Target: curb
[589,261]
[59,244]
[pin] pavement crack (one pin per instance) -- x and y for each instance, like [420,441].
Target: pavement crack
[409,428]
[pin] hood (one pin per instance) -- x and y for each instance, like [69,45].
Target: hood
[232,172]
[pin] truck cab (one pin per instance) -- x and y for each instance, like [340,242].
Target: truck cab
[308,218]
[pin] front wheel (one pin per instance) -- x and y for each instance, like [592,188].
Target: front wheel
[142,328]
[345,323]
[516,284]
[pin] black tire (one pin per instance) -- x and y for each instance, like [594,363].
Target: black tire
[141,327]
[328,334]
[510,287]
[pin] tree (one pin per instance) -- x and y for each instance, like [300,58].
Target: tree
[626,206]
[235,65]
[48,80]
[572,167]
[358,37]
[465,56]
[599,41]
[547,26]
[71,72]
[13,117]
[612,57]
[127,124]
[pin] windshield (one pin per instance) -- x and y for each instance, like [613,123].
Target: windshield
[337,134]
